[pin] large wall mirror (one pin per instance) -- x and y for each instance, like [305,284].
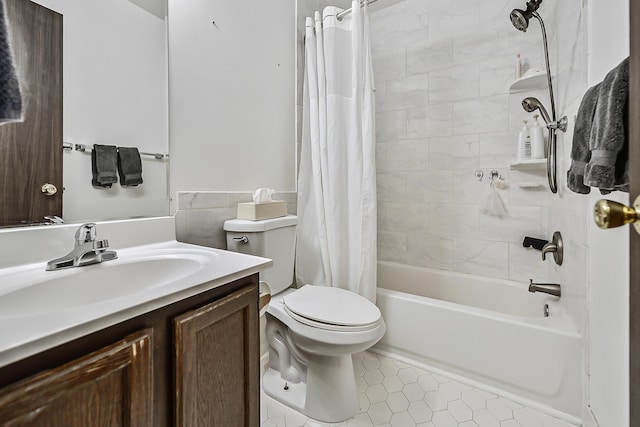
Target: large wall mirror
[114,92]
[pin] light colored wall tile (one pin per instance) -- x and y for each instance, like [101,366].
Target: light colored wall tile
[481,115]
[388,64]
[426,251]
[429,186]
[391,186]
[497,148]
[473,46]
[526,263]
[481,257]
[408,92]
[429,55]
[454,84]
[430,121]
[452,16]
[392,246]
[467,189]
[205,227]
[407,217]
[391,126]
[522,221]
[441,221]
[202,200]
[411,155]
[454,152]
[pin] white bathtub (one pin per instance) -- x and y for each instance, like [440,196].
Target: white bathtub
[489,331]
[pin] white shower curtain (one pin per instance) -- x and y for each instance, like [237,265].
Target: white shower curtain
[336,233]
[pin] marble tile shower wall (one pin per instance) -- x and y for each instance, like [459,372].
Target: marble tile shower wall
[443,70]
[201,214]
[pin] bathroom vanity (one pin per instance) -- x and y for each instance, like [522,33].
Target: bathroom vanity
[184,353]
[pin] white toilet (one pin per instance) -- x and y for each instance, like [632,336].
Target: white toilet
[312,331]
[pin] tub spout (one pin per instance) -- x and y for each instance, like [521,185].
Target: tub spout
[547,288]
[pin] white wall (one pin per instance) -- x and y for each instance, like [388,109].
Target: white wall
[609,261]
[115,93]
[231,90]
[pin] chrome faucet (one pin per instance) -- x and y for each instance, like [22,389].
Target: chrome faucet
[88,250]
[547,288]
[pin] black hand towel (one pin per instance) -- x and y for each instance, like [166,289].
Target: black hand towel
[129,166]
[104,165]
[10,97]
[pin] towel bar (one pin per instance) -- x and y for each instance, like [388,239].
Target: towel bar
[84,149]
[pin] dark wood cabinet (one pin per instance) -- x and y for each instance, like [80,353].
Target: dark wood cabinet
[216,363]
[109,387]
[194,362]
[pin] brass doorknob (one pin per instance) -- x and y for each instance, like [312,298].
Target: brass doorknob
[49,189]
[610,214]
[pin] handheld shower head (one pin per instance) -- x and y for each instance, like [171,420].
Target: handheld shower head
[520,18]
[532,104]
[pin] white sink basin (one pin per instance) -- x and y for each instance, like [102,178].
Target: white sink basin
[138,275]
[55,291]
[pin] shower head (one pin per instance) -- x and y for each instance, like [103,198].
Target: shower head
[520,18]
[532,104]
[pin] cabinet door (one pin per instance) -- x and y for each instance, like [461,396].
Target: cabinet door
[110,387]
[217,363]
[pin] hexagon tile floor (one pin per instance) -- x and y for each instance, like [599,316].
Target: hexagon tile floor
[394,394]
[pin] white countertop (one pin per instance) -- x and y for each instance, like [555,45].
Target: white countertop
[43,309]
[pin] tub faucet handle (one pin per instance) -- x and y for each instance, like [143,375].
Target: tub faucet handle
[555,247]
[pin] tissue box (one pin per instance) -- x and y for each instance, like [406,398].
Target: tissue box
[256,211]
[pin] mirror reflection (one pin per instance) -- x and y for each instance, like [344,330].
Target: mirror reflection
[109,62]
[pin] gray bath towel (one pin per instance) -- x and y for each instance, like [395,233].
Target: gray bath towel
[104,165]
[608,167]
[10,97]
[129,166]
[580,152]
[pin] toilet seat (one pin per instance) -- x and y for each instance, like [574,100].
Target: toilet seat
[332,309]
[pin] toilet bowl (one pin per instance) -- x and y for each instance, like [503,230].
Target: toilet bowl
[312,331]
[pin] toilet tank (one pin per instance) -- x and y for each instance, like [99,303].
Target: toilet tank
[270,238]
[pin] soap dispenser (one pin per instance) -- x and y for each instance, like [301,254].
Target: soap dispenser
[524,143]
[537,139]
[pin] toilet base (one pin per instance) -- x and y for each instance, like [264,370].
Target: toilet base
[329,394]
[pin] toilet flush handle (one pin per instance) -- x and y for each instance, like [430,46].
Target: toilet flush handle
[243,239]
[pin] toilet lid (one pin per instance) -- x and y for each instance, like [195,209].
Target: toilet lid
[331,308]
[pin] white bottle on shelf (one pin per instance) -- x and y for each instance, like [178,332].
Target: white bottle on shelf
[524,143]
[518,69]
[537,139]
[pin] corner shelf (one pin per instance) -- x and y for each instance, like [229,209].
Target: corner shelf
[533,164]
[529,81]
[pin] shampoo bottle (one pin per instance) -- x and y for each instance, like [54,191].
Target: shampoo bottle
[524,143]
[537,139]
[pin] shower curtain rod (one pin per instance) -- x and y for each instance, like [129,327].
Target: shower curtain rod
[347,11]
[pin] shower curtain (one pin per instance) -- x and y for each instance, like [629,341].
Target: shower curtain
[336,233]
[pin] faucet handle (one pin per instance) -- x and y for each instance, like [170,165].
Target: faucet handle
[555,247]
[86,233]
